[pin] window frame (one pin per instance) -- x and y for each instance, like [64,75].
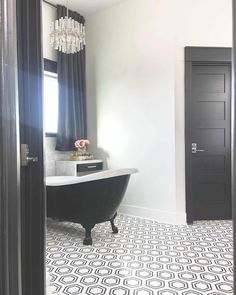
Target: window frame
[51,67]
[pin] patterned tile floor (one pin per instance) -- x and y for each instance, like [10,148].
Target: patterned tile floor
[144,258]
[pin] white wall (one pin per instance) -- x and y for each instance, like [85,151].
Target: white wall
[135,85]
[206,23]
[48,16]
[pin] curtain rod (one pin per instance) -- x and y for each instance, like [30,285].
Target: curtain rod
[50,4]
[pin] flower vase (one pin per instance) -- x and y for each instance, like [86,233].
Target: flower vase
[74,157]
[81,155]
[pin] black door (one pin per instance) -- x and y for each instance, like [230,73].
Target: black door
[208,132]
[31,139]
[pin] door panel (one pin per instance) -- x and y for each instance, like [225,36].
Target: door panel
[209,110]
[209,129]
[209,137]
[210,165]
[206,84]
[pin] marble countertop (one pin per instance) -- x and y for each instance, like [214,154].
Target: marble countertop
[80,162]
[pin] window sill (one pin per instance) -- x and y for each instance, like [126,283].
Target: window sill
[49,134]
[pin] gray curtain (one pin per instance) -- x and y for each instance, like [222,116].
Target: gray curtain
[72,121]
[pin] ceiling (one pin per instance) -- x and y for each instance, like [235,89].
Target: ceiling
[86,7]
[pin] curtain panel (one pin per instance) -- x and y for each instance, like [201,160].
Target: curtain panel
[72,121]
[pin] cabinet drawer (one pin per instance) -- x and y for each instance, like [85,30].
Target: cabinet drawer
[89,167]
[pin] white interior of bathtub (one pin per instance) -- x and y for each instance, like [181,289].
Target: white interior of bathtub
[68,180]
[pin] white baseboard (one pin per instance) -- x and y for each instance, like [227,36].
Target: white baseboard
[154,214]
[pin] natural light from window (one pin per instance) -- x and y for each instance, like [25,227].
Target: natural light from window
[50,102]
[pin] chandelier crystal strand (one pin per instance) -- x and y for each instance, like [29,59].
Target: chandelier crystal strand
[67,35]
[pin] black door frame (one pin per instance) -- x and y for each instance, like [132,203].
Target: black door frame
[197,56]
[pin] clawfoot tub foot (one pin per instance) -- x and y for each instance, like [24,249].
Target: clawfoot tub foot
[88,239]
[114,228]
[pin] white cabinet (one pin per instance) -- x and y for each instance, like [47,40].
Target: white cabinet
[78,168]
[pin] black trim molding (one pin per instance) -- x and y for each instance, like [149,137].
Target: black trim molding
[208,54]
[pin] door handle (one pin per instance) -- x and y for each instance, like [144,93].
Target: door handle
[25,159]
[32,159]
[195,150]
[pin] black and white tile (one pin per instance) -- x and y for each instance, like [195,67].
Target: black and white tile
[144,258]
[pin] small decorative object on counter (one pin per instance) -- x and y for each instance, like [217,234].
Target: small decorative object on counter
[81,154]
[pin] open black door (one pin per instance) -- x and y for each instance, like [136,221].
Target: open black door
[10,234]
[22,205]
[31,140]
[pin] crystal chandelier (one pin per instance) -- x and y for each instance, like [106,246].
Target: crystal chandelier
[67,35]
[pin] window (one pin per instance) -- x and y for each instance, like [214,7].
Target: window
[50,102]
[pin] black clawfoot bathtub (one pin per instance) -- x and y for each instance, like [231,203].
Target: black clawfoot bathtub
[89,199]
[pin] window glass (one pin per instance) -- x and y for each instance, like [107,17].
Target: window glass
[50,102]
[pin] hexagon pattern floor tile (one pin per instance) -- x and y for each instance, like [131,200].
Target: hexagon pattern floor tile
[144,258]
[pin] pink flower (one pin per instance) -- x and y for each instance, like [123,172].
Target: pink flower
[86,141]
[81,143]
